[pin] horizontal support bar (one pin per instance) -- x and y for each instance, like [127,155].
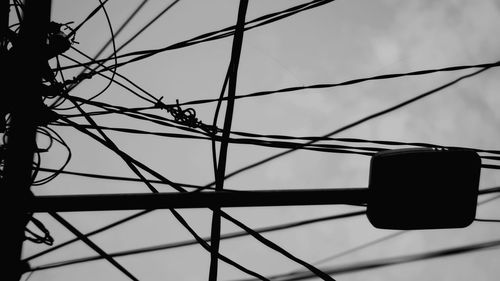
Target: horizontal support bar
[175,200]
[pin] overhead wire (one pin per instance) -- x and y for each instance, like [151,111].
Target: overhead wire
[114,81]
[352,82]
[117,178]
[132,164]
[232,235]
[119,30]
[92,245]
[113,44]
[128,158]
[486,220]
[258,139]
[131,161]
[215,35]
[302,275]
[111,41]
[360,121]
[378,263]
[89,16]
[76,239]
[261,230]
[113,72]
[130,40]
[53,136]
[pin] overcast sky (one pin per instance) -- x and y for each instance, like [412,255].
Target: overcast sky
[343,40]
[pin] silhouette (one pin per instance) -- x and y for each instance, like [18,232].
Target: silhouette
[423,188]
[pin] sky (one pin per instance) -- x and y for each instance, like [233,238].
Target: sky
[340,41]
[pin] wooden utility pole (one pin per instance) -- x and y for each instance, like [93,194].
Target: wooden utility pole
[21,100]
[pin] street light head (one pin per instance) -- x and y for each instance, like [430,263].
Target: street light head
[423,188]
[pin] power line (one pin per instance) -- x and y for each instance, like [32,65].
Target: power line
[131,161]
[358,122]
[360,247]
[120,29]
[89,16]
[185,243]
[365,265]
[353,81]
[92,245]
[214,35]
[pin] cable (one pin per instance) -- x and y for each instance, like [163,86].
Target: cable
[328,148]
[146,26]
[255,140]
[132,164]
[97,231]
[101,5]
[93,70]
[351,82]
[489,190]
[119,30]
[78,79]
[108,177]
[113,72]
[360,121]
[92,245]
[112,40]
[372,264]
[215,35]
[131,161]
[53,135]
[185,243]
[113,55]
[357,248]
[487,220]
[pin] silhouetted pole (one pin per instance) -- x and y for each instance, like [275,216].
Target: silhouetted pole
[21,97]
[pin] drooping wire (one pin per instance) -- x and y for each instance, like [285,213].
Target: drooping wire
[92,245]
[352,82]
[237,234]
[115,178]
[363,246]
[53,136]
[35,237]
[215,35]
[110,26]
[365,265]
[113,72]
[360,121]
[100,64]
[120,29]
[89,16]
[76,239]
[132,163]
[151,98]
[147,25]
[232,235]
[256,139]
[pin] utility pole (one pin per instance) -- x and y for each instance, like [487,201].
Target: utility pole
[21,100]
